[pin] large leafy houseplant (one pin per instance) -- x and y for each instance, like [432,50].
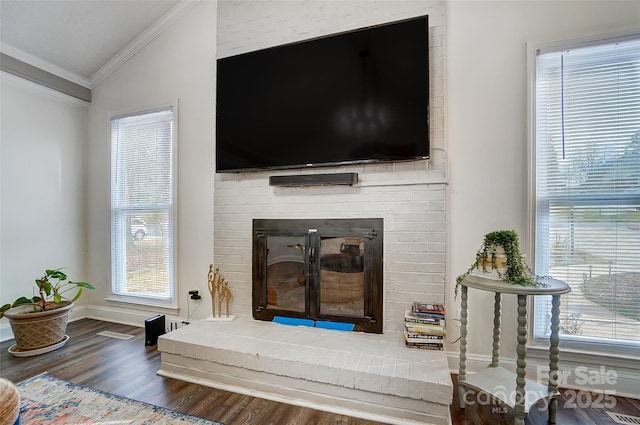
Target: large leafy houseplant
[52,287]
[517,272]
[39,323]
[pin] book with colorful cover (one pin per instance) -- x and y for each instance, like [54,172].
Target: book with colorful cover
[422,336]
[412,318]
[425,346]
[422,307]
[432,343]
[429,315]
[423,328]
[424,343]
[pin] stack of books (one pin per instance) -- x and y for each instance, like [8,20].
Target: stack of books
[424,326]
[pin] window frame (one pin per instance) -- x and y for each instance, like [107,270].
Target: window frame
[579,346]
[171,302]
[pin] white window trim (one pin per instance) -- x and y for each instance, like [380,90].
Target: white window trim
[172,303]
[540,345]
[625,364]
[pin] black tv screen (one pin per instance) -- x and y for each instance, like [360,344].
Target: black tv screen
[360,96]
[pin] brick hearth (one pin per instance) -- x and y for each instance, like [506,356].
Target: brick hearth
[362,375]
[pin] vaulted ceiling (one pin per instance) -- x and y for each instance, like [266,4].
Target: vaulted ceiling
[82,41]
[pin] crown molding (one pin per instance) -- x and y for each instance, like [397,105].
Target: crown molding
[43,65]
[141,41]
[116,61]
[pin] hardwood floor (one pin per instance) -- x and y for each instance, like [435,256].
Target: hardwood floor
[128,368]
[484,413]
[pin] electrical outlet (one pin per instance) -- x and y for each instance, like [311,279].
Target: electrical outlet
[173,324]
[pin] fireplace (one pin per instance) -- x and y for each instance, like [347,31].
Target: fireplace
[321,270]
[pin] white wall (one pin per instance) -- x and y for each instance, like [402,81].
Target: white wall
[178,64]
[487,128]
[42,220]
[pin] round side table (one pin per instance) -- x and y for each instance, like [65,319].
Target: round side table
[513,390]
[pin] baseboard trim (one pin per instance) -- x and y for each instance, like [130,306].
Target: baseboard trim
[125,316]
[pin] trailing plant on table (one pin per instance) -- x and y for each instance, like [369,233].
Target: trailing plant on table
[52,287]
[517,272]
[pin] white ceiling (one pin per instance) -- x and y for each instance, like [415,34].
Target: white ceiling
[82,40]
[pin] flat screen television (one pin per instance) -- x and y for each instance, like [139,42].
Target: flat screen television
[355,97]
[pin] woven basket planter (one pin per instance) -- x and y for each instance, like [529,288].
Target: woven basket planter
[36,330]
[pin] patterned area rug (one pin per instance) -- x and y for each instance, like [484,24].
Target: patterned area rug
[48,400]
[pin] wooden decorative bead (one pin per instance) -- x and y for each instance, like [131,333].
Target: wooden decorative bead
[9,402]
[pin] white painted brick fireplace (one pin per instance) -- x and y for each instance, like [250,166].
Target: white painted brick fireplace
[413,210]
[410,197]
[366,375]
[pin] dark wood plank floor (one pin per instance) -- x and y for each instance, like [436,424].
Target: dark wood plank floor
[128,368]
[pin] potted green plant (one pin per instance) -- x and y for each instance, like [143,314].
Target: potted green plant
[39,323]
[500,252]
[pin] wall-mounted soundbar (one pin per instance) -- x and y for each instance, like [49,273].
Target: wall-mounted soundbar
[314,179]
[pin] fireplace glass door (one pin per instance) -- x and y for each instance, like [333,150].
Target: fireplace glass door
[341,281]
[285,274]
[319,270]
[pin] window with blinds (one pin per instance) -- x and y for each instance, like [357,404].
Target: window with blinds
[587,178]
[142,205]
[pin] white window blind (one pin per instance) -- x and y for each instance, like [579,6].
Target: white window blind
[142,205]
[588,190]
